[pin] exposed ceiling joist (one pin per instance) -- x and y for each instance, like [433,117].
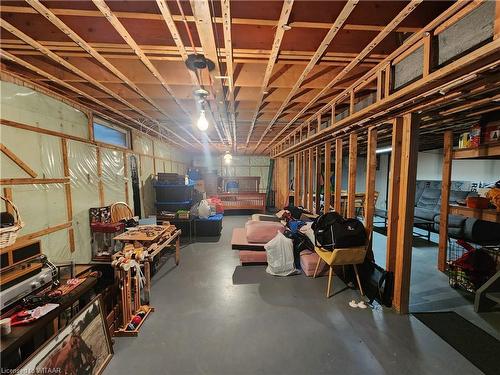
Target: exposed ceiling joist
[8,56]
[47,52]
[337,25]
[178,18]
[278,37]
[203,20]
[408,9]
[228,44]
[120,29]
[168,18]
[37,5]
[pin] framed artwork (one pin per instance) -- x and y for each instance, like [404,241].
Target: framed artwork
[82,347]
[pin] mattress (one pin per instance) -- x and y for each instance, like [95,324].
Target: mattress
[247,256]
[239,241]
[262,217]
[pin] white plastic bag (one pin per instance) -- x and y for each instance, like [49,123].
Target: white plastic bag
[204,209]
[280,256]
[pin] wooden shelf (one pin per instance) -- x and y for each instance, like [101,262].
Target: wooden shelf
[485,214]
[481,152]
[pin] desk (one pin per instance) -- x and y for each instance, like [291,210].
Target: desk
[23,334]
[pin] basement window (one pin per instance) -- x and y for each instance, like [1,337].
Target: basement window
[106,133]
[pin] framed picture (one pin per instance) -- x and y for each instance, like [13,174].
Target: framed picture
[82,347]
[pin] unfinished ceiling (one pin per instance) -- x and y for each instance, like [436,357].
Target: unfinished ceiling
[276,62]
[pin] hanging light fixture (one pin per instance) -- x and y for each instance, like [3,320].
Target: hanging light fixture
[202,123]
[228,157]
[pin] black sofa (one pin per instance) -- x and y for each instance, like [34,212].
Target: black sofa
[428,207]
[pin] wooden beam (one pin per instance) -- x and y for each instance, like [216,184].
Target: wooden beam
[351,184]
[337,202]
[310,180]
[496,33]
[33,68]
[122,31]
[204,26]
[295,174]
[7,193]
[436,76]
[126,176]
[5,25]
[228,44]
[327,190]
[304,178]
[445,199]
[179,18]
[298,179]
[44,11]
[67,191]
[393,194]
[427,53]
[409,154]
[169,20]
[278,37]
[317,200]
[100,185]
[42,232]
[337,25]
[33,181]
[375,42]
[17,160]
[371,170]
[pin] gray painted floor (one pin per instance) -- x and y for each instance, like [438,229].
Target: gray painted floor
[430,290]
[203,324]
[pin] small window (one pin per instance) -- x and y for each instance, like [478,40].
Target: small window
[110,134]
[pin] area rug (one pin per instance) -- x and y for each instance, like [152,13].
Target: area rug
[478,346]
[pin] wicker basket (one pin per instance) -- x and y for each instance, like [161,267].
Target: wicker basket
[8,235]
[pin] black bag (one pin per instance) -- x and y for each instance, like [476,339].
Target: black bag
[332,231]
[378,284]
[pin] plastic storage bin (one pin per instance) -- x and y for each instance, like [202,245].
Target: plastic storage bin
[210,227]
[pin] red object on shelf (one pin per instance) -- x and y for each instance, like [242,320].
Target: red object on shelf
[477,202]
[107,227]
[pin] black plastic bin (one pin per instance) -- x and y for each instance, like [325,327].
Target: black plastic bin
[173,193]
[210,227]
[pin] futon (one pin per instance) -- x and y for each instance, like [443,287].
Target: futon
[247,257]
[239,241]
[262,217]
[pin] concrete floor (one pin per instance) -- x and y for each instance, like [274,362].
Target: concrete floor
[430,290]
[203,324]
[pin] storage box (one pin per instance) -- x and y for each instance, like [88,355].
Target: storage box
[173,193]
[209,227]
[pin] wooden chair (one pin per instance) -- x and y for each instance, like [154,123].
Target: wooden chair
[341,257]
[120,211]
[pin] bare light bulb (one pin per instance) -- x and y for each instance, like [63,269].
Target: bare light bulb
[202,123]
[228,157]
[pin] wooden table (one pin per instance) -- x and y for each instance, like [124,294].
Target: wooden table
[23,334]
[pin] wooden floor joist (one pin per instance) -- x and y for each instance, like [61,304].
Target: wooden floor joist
[336,27]
[278,37]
